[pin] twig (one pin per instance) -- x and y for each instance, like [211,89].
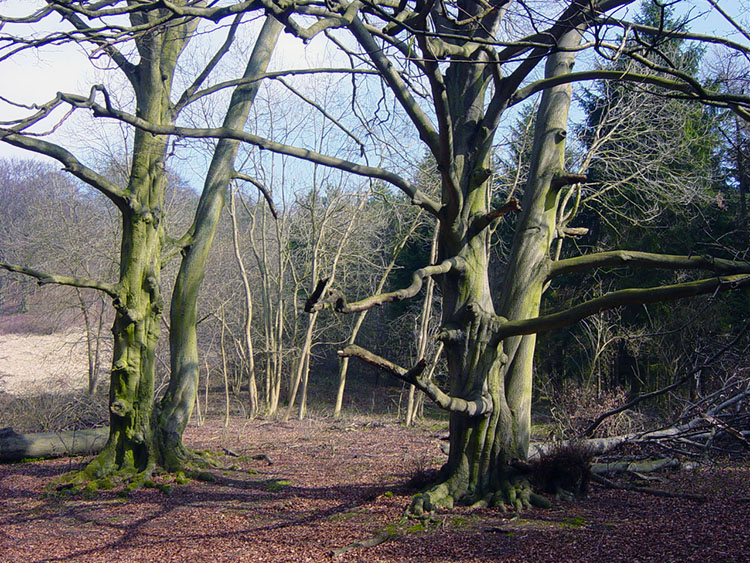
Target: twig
[656,492]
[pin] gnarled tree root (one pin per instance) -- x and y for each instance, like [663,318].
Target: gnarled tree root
[513,492]
[104,472]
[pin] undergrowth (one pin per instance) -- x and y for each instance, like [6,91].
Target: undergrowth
[565,471]
[54,412]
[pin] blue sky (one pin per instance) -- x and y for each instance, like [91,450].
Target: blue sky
[35,76]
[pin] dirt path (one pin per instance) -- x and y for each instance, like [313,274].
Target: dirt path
[333,483]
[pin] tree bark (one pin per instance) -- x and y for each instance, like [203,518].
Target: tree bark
[133,447]
[177,404]
[482,448]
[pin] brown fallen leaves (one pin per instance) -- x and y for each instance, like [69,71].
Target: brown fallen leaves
[335,483]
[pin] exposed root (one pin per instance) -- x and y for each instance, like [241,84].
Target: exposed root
[127,481]
[400,528]
[199,460]
[180,458]
[84,481]
[377,539]
[514,493]
[104,473]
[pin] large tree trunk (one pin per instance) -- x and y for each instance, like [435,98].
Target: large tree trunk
[136,328]
[178,402]
[483,448]
[133,446]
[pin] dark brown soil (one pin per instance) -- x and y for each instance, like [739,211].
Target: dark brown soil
[332,483]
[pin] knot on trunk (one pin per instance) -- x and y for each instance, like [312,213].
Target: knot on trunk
[121,407]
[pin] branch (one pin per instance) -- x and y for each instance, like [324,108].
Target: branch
[262,189]
[616,299]
[417,196]
[676,33]
[187,95]
[689,90]
[45,278]
[573,17]
[484,221]
[646,260]
[319,299]
[424,126]
[573,231]
[111,190]
[729,18]
[728,429]
[476,407]
[445,123]
[405,47]
[656,492]
[559,182]
[271,75]
[129,69]
[325,114]
[324,18]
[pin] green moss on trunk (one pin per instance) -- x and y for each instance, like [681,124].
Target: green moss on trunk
[134,448]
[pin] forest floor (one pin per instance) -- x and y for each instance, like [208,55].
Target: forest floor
[298,491]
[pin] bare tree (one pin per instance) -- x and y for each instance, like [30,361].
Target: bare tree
[451,70]
[74,235]
[140,435]
[405,231]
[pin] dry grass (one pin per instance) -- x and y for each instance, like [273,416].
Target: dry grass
[31,364]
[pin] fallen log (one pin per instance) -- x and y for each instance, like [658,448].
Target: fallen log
[656,492]
[646,466]
[594,446]
[600,446]
[15,446]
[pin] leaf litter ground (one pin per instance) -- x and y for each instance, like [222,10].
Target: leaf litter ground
[297,491]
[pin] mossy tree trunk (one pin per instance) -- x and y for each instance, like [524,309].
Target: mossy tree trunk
[176,407]
[132,447]
[482,448]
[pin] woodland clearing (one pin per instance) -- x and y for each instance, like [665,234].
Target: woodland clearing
[33,363]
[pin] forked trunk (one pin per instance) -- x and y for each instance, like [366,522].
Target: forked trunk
[482,448]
